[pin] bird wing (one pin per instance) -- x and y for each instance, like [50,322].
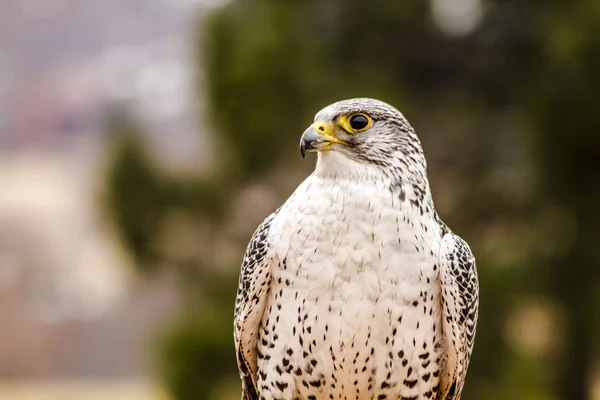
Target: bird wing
[460,302]
[254,284]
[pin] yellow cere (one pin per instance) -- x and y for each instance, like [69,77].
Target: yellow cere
[327,130]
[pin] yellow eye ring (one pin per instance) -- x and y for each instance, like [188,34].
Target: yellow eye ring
[355,123]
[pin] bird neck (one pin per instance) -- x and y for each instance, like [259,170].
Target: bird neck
[407,179]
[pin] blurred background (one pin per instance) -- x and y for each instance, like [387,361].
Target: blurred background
[142,141]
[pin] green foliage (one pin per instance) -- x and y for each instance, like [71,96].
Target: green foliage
[193,358]
[263,76]
[136,196]
[569,151]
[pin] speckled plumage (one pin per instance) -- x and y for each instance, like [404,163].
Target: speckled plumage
[355,289]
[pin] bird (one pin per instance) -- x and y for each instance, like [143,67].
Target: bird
[354,288]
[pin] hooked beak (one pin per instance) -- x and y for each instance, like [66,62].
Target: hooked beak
[319,136]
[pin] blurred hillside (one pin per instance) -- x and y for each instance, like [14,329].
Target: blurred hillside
[503,96]
[76,321]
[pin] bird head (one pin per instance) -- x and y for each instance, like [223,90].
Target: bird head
[365,131]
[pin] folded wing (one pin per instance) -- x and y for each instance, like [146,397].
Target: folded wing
[253,289]
[460,301]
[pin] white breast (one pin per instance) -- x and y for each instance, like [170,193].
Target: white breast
[354,289]
[353,239]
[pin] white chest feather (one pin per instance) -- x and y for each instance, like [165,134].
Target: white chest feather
[354,241]
[354,306]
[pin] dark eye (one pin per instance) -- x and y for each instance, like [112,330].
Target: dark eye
[358,122]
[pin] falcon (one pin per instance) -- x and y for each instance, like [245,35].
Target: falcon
[354,288]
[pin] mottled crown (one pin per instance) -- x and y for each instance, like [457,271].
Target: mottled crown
[377,109]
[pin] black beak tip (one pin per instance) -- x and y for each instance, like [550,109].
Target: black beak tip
[302,148]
